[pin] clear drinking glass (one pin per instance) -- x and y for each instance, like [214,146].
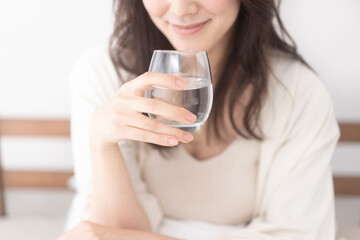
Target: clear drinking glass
[197,97]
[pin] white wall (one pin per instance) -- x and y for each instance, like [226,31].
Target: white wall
[328,35]
[40,41]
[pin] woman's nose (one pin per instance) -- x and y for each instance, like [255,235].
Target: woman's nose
[183,7]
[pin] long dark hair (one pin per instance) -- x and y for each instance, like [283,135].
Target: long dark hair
[135,37]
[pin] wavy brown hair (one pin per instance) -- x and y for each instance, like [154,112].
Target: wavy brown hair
[135,37]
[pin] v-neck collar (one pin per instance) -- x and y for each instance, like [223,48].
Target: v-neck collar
[220,155]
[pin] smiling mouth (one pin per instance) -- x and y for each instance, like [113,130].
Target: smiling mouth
[189,29]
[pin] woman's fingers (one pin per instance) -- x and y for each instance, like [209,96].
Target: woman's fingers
[161,108]
[148,79]
[143,122]
[146,136]
[123,121]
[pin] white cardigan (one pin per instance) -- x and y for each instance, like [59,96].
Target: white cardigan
[294,189]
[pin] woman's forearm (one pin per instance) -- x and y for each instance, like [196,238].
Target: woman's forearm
[88,230]
[113,200]
[126,234]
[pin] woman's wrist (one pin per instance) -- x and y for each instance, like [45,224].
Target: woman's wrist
[101,144]
[103,150]
[96,138]
[97,141]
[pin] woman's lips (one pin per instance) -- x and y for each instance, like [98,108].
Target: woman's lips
[188,30]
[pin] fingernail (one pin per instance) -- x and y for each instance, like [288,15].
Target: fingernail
[188,137]
[181,83]
[190,117]
[172,141]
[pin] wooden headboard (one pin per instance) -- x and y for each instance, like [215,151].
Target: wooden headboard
[350,132]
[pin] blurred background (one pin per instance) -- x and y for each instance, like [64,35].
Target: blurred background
[41,40]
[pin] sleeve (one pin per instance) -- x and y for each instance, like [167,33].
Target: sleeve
[298,199]
[92,82]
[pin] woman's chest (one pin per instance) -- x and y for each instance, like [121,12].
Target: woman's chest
[219,190]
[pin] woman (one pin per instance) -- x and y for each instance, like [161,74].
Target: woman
[264,172]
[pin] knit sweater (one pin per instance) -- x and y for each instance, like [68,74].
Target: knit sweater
[278,188]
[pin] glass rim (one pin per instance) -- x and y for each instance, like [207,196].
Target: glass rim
[180,51]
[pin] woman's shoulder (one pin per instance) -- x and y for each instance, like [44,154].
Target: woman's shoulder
[95,74]
[97,61]
[292,78]
[292,86]
[92,65]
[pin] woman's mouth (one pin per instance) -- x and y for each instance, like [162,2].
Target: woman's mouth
[189,29]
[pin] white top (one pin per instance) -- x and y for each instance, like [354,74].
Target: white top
[219,190]
[282,185]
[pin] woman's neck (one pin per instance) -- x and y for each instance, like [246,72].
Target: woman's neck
[218,55]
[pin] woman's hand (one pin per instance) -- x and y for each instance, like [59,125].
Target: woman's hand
[86,230]
[121,117]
